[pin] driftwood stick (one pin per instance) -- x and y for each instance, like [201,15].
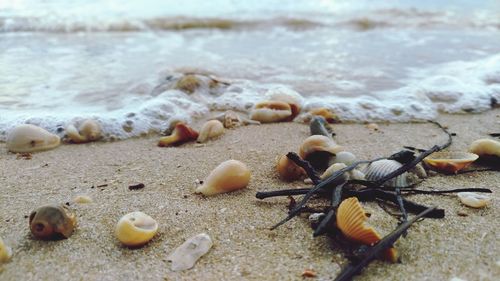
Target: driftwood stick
[285,192]
[419,191]
[373,252]
[311,173]
[330,217]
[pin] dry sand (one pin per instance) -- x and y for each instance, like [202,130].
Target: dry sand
[244,247]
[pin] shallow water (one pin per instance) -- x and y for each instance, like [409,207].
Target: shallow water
[61,61]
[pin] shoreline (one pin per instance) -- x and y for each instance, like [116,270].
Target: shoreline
[244,247]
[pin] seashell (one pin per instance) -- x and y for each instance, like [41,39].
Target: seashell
[188,83]
[372,126]
[315,217]
[288,170]
[378,169]
[287,95]
[210,129]
[88,131]
[181,134]
[353,174]
[5,252]
[82,199]
[319,126]
[228,176]
[318,150]
[271,111]
[345,157]
[474,200]
[329,116]
[231,119]
[450,162]
[419,171]
[351,219]
[186,255]
[485,147]
[30,138]
[52,222]
[136,229]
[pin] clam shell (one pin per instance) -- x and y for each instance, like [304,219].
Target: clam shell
[210,129]
[5,252]
[351,219]
[186,255]
[287,95]
[51,222]
[288,170]
[378,169]
[450,162]
[181,134]
[136,229]
[30,138]
[474,200]
[271,111]
[228,176]
[485,147]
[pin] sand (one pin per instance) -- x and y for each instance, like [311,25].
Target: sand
[466,247]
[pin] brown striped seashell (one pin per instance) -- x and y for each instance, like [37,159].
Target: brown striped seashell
[52,222]
[289,96]
[485,147]
[329,116]
[88,131]
[271,111]
[210,129]
[351,219]
[30,138]
[288,170]
[182,133]
[319,150]
[450,162]
[379,169]
[228,176]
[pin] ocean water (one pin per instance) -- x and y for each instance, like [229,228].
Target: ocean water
[119,61]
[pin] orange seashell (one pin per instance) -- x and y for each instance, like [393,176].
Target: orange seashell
[288,170]
[329,116]
[450,162]
[182,133]
[350,220]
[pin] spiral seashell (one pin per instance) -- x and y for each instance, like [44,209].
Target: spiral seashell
[181,134]
[351,219]
[474,200]
[379,169]
[52,222]
[5,252]
[271,111]
[30,138]
[345,157]
[485,147]
[186,255]
[288,170]
[319,150]
[228,176]
[136,229]
[287,95]
[88,131]
[450,162]
[210,129]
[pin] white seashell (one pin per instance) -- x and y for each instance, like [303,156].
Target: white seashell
[354,174]
[419,171]
[345,157]
[136,229]
[88,131]
[314,217]
[285,94]
[186,255]
[483,147]
[318,143]
[210,129]
[474,200]
[82,199]
[231,119]
[271,111]
[378,169]
[5,252]
[228,176]
[30,138]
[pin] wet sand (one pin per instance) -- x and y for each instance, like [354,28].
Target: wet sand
[466,247]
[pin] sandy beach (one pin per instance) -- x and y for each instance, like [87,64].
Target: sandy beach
[466,247]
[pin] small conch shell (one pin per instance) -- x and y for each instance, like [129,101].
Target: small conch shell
[379,169]
[210,129]
[52,222]
[30,138]
[485,147]
[182,133]
[5,252]
[228,176]
[351,219]
[136,229]
[354,174]
[287,95]
[474,200]
[329,116]
[186,255]
[450,162]
[88,131]
[231,119]
[345,157]
[288,170]
[271,111]
[318,150]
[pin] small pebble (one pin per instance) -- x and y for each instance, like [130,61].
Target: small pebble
[82,199]
[309,273]
[187,254]
[372,126]
[462,214]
